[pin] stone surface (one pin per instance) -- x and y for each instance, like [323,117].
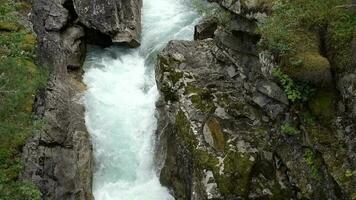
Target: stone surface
[58,158]
[205,29]
[120,19]
[271,148]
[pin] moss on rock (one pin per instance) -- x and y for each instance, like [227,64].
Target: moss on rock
[323,106]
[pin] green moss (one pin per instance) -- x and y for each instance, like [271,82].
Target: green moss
[307,62]
[233,176]
[203,100]
[237,174]
[191,89]
[323,106]
[341,31]
[9,26]
[184,131]
[293,28]
[310,159]
[282,33]
[170,78]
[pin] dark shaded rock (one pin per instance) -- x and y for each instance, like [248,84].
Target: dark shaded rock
[353,53]
[347,88]
[120,19]
[205,29]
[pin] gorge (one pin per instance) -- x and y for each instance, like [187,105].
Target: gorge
[177,99]
[120,104]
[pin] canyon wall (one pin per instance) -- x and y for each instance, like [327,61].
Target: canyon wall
[228,130]
[58,158]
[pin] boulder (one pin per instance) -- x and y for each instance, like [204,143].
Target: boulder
[272,90]
[120,19]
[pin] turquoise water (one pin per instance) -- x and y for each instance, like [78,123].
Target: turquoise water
[120,105]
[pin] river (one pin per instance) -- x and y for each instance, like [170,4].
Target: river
[120,104]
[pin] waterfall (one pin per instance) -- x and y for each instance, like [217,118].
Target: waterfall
[120,105]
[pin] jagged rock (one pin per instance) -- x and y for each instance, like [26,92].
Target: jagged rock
[226,80]
[272,90]
[73,43]
[57,17]
[120,19]
[205,29]
[246,6]
[353,53]
[58,158]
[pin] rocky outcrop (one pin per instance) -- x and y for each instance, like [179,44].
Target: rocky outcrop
[58,158]
[119,19]
[227,130]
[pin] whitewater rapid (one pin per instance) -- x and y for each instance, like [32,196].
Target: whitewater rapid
[120,105]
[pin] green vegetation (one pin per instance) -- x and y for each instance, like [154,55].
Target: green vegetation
[19,80]
[289,129]
[295,92]
[309,157]
[290,28]
[298,30]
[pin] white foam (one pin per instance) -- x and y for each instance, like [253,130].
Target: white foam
[120,105]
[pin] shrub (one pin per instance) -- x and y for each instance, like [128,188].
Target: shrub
[295,91]
[289,129]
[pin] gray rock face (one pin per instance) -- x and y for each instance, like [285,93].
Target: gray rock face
[58,158]
[120,19]
[227,130]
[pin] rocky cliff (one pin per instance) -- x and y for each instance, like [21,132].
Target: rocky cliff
[58,158]
[230,129]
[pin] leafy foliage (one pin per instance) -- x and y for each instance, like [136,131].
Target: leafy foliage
[295,92]
[310,159]
[289,129]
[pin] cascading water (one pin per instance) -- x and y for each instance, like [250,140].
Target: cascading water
[120,104]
